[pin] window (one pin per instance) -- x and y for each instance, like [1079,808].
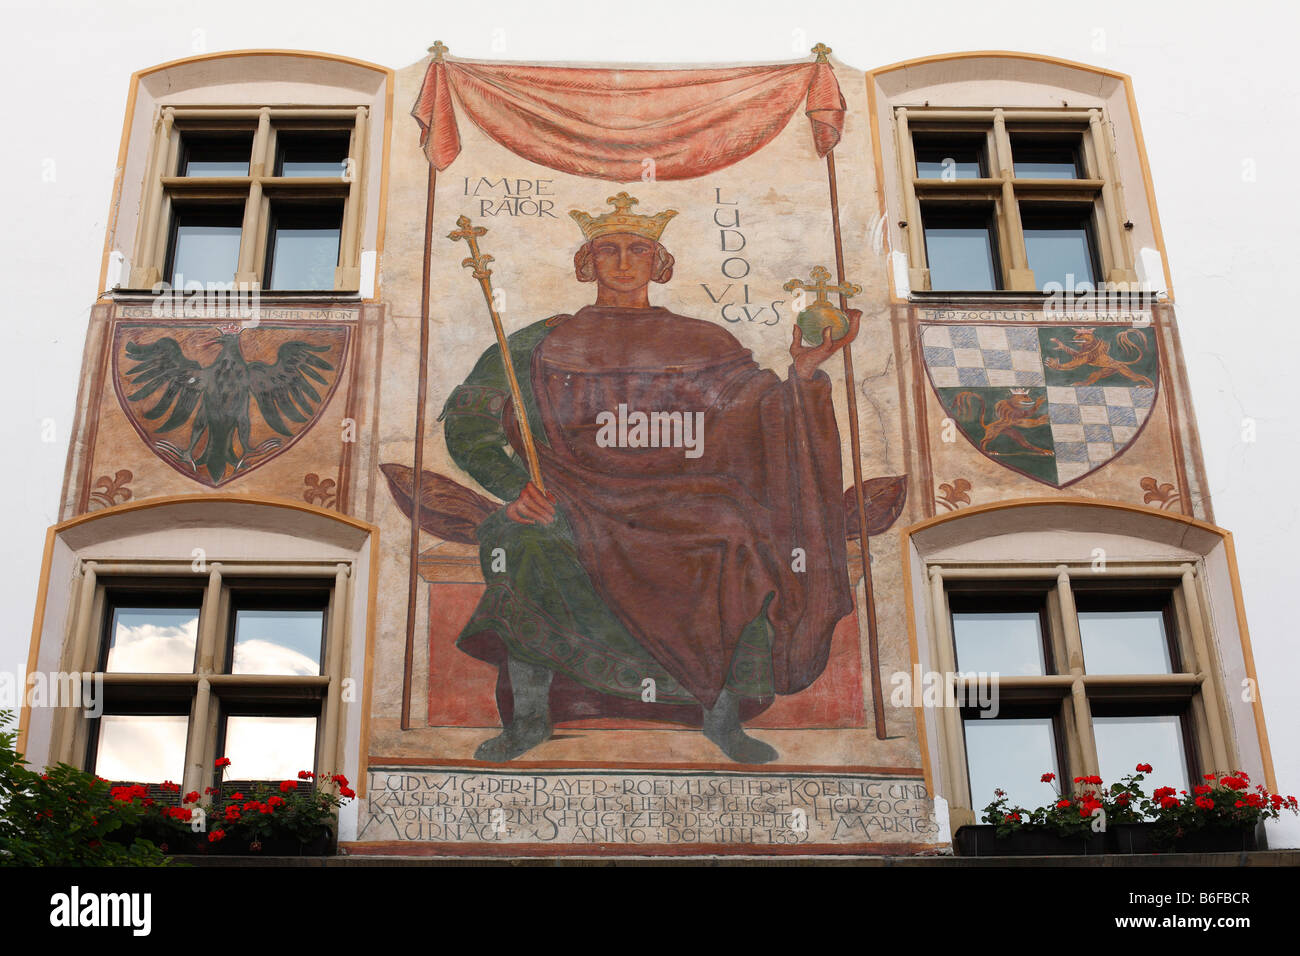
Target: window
[1095,675]
[1010,200]
[235,666]
[267,198]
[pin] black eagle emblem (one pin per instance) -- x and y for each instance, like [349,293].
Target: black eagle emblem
[216,397]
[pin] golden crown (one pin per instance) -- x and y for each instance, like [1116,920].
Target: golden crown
[622,219]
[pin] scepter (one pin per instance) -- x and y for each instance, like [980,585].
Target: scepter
[478,262]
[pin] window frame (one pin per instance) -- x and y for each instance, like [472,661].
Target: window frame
[166,188]
[1099,188]
[209,692]
[1194,692]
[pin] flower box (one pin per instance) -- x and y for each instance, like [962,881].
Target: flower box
[324,845]
[1145,838]
[982,840]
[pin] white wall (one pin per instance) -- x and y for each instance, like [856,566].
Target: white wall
[1216,92]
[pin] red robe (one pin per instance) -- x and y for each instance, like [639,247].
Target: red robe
[685,550]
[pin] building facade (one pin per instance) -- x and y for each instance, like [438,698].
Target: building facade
[681,576]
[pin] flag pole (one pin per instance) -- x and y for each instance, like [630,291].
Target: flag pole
[421,398]
[855,442]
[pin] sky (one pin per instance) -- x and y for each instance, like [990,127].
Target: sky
[1216,93]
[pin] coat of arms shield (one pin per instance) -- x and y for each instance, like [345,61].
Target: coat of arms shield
[215,401]
[1054,403]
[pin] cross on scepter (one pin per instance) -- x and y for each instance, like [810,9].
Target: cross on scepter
[821,313]
[478,262]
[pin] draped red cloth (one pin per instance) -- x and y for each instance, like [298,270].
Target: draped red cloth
[603,123]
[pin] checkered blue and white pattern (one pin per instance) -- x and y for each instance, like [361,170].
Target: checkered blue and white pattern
[982,355]
[1091,424]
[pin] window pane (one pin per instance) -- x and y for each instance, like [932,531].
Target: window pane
[270,748]
[205,245]
[152,640]
[141,748]
[312,154]
[1010,755]
[948,163]
[305,247]
[1005,642]
[205,155]
[1059,246]
[960,253]
[1036,159]
[278,642]
[1124,642]
[1125,742]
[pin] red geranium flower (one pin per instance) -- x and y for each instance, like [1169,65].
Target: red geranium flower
[191,797]
[1048,777]
[169,787]
[347,792]
[1205,803]
[1144,768]
[221,762]
[1202,788]
[287,785]
[1209,776]
[306,775]
[1167,802]
[1062,804]
[275,802]
[216,835]
[236,796]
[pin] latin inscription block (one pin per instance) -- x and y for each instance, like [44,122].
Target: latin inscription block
[645,809]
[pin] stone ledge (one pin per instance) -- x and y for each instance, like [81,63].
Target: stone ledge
[1256,858]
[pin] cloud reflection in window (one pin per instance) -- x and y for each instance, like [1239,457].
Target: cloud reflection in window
[277,642]
[141,748]
[153,640]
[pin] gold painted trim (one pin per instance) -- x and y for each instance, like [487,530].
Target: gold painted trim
[390,80]
[1130,98]
[1230,554]
[43,583]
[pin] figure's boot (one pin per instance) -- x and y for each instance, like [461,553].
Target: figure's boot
[722,726]
[531,687]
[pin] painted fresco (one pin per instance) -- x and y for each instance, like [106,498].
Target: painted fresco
[1051,402]
[217,401]
[638,424]
[667,541]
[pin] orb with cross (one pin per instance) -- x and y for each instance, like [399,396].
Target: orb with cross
[821,315]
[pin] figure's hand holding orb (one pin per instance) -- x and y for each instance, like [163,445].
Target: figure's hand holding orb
[808,358]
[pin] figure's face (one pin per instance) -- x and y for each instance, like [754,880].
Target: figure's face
[623,262]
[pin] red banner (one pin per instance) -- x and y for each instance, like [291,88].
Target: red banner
[605,123]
